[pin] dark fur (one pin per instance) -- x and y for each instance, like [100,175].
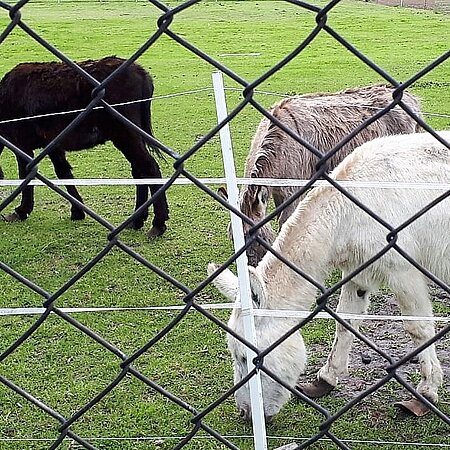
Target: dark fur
[40,88]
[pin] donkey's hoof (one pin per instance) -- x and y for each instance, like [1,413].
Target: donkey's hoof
[316,389]
[135,225]
[414,407]
[13,217]
[156,231]
[77,215]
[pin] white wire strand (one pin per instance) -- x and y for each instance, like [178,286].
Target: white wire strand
[178,94]
[169,438]
[278,313]
[76,111]
[241,181]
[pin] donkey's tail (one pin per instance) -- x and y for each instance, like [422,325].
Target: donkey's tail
[2,175]
[146,113]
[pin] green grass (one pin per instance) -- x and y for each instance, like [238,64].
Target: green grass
[64,368]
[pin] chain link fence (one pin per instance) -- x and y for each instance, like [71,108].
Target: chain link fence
[129,362]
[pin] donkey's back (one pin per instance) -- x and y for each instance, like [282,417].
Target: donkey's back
[402,162]
[323,121]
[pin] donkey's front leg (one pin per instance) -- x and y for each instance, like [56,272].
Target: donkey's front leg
[63,170]
[353,300]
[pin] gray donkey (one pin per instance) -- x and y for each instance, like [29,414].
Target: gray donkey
[322,120]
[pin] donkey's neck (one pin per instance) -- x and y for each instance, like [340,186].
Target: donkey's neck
[308,240]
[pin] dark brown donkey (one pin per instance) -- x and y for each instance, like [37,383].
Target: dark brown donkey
[33,89]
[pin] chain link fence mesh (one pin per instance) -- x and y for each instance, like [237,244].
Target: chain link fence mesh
[129,362]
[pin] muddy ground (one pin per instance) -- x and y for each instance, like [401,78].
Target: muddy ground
[367,366]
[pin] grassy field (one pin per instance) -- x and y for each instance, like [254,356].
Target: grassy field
[64,368]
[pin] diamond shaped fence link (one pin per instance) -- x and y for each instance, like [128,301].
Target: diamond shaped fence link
[125,366]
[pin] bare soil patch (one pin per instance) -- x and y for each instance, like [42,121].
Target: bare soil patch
[367,366]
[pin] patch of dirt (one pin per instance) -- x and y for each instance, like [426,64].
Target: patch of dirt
[367,366]
[421,4]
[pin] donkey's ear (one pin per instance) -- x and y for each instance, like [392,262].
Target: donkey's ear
[222,192]
[226,282]
[256,286]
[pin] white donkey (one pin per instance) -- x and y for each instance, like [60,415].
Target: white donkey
[328,231]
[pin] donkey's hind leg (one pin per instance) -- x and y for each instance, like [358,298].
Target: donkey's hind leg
[160,206]
[63,171]
[414,300]
[143,165]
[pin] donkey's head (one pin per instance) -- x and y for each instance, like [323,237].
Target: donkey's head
[253,203]
[286,362]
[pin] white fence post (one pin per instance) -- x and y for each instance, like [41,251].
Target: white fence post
[259,426]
